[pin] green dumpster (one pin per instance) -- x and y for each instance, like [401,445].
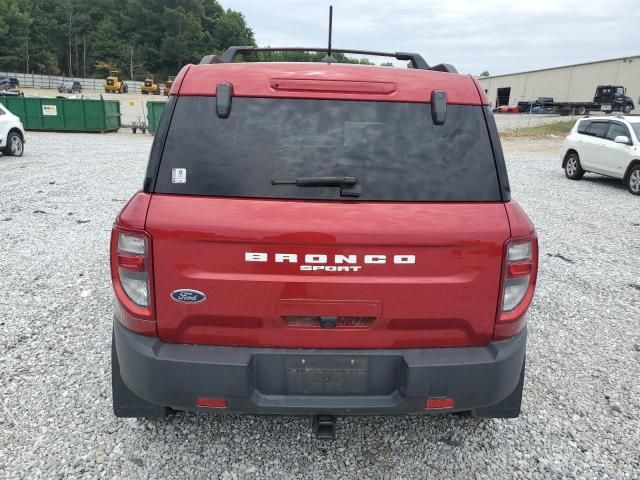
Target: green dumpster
[65,114]
[154,112]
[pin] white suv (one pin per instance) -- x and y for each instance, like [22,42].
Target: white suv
[11,133]
[606,145]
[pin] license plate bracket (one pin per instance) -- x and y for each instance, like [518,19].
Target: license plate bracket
[327,375]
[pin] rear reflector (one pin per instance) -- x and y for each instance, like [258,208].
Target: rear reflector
[439,403]
[211,402]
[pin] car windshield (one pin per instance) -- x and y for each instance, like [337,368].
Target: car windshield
[394,150]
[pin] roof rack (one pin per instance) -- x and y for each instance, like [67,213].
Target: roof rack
[415,58]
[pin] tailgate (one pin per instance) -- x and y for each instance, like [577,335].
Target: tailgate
[314,274]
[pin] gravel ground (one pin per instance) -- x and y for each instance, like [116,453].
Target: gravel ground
[516,121]
[582,398]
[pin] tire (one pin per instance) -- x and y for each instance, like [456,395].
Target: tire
[572,168]
[627,109]
[15,145]
[633,180]
[581,110]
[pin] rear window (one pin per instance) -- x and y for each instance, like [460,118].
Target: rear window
[583,126]
[597,129]
[616,130]
[394,150]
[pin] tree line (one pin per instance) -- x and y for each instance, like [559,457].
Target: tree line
[86,38]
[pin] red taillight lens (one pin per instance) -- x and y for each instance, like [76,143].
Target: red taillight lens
[211,402]
[131,276]
[131,262]
[439,403]
[518,285]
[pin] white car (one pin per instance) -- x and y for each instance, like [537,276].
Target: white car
[605,145]
[12,138]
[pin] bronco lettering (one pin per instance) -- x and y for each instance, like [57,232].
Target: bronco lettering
[319,259]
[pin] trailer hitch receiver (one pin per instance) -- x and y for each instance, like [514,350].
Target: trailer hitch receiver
[324,426]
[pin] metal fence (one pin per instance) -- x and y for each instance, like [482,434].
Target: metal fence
[32,80]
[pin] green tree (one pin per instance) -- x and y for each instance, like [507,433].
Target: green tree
[14,30]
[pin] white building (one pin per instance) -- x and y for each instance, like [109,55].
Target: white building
[572,83]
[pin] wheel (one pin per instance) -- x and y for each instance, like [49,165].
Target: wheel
[581,110]
[572,169]
[627,108]
[633,180]
[134,130]
[15,145]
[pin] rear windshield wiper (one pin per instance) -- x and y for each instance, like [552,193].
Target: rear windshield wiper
[317,181]
[349,186]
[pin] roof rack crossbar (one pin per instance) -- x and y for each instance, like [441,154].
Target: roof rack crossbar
[230,53]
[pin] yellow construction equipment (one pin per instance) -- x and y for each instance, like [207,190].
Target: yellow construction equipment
[167,85]
[150,87]
[114,84]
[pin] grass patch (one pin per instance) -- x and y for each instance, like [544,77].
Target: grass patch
[544,130]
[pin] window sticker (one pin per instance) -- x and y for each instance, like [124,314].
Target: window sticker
[179,175]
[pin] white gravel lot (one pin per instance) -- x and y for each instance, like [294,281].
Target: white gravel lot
[582,396]
[516,121]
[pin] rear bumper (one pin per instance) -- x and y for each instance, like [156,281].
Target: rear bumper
[333,382]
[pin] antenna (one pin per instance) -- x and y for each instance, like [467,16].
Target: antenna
[330,28]
[329,57]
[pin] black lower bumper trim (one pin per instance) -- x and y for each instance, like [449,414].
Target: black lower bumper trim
[328,382]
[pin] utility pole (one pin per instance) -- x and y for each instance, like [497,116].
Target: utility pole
[84,55]
[70,56]
[131,62]
[26,69]
[77,69]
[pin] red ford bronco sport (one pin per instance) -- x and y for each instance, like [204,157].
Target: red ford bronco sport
[322,239]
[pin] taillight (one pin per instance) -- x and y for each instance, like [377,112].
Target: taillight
[131,276]
[518,285]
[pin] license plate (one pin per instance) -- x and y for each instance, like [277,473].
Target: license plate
[327,375]
[606,108]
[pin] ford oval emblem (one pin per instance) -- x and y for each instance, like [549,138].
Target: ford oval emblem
[188,296]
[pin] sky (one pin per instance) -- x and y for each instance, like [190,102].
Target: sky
[497,36]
